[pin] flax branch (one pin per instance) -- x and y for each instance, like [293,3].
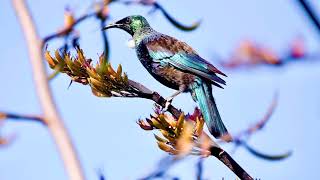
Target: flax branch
[158,99]
[50,113]
[227,160]
[108,82]
[185,136]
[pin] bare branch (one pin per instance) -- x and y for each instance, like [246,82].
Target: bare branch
[263,155]
[14,116]
[50,113]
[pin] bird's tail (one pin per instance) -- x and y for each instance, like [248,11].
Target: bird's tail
[202,94]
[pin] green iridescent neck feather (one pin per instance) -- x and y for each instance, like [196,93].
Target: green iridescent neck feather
[138,23]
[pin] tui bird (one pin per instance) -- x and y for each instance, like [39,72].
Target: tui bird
[176,65]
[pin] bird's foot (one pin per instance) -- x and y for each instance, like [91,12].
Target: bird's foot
[168,103]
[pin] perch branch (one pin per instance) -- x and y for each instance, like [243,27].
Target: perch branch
[108,82]
[226,159]
[50,113]
[158,99]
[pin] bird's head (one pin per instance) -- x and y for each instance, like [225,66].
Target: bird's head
[130,24]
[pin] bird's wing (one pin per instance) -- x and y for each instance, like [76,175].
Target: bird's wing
[169,50]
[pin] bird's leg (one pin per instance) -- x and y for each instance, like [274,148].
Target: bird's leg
[170,98]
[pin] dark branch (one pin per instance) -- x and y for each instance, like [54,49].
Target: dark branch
[105,39]
[162,168]
[157,6]
[175,22]
[199,169]
[310,13]
[241,139]
[66,30]
[227,160]
[13,116]
[146,93]
[157,98]
[265,156]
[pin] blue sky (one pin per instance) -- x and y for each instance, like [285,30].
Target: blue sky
[104,130]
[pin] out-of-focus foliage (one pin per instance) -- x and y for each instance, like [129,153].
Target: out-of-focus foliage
[250,53]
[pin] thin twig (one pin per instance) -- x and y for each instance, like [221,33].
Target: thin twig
[199,168]
[274,157]
[262,122]
[50,113]
[105,40]
[242,138]
[69,28]
[66,30]
[14,116]
[162,167]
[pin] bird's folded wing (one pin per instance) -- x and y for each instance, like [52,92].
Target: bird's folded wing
[168,50]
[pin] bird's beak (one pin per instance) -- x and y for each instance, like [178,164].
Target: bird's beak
[124,27]
[113,25]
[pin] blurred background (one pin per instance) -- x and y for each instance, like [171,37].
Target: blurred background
[105,132]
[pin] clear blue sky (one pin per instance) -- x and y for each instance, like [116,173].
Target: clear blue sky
[104,130]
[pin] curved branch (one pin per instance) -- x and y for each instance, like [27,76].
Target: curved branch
[157,6]
[65,30]
[50,113]
[266,156]
[177,24]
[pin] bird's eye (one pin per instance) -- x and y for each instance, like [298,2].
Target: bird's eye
[127,21]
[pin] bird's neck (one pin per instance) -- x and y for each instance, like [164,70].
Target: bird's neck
[140,34]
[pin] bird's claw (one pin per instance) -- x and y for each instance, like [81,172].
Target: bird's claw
[168,103]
